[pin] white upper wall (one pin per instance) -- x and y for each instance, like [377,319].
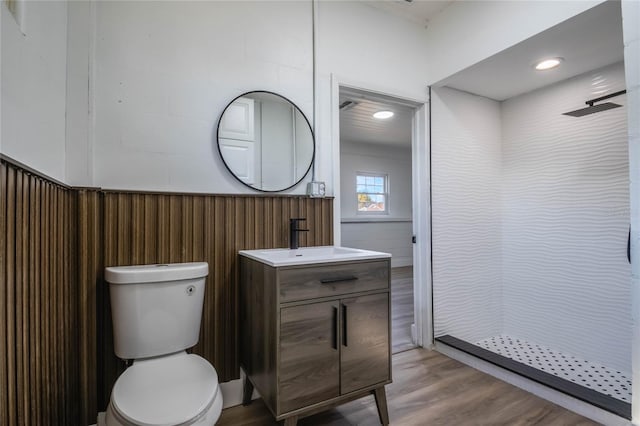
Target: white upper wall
[34,73]
[143,83]
[164,71]
[467,32]
[79,157]
[372,48]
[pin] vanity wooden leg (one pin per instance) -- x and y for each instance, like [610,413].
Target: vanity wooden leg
[247,391]
[291,421]
[381,403]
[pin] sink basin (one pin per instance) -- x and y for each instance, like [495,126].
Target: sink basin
[311,255]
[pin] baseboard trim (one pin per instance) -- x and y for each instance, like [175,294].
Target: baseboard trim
[232,392]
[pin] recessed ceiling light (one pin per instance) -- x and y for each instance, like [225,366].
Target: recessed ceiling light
[383,114]
[547,64]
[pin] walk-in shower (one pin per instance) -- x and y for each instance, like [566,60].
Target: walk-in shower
[530,211]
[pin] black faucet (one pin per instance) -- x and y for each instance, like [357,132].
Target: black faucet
[293,232]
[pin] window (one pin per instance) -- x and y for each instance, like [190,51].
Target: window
[371,190]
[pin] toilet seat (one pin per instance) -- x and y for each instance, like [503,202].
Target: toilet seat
[171,390]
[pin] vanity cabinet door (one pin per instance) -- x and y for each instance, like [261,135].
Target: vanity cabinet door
[364,349]
[309,356]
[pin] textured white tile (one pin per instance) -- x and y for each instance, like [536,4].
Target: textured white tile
[565,220]
[466,157]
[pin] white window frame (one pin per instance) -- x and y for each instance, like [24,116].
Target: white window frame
[385,177]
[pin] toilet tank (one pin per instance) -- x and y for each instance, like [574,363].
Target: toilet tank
[156,309]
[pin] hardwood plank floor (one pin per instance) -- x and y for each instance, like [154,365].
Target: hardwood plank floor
[401,308]
[430,389]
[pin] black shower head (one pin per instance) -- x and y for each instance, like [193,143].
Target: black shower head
[592,109]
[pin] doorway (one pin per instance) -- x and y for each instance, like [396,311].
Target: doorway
[376,193]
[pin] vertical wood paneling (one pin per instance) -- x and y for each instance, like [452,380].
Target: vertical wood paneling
[38,301]
[4,403]
[143,228]
[89,210]
[21,325]
[10,305]
[37,297]
[57,365]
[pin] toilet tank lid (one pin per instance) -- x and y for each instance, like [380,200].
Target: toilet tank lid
[137,274]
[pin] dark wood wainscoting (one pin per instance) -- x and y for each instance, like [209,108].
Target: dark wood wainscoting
[143,228]
[89,207]
[57,365]
[38,302]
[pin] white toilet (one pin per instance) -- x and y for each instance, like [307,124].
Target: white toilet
[156,312]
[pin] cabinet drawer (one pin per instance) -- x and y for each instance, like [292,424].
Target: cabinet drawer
[332,280]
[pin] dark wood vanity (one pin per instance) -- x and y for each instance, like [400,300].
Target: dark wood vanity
[315,336]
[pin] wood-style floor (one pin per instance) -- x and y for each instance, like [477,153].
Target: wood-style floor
[430,389]
[401,308]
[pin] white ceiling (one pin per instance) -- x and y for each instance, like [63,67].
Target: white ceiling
[587,41]
[418,11]
[358,125]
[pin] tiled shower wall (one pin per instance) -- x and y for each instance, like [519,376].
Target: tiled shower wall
[530,219]
[467,269]
[565,220]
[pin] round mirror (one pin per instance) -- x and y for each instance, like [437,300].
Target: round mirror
[265,141]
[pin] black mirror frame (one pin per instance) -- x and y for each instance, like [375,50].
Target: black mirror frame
[313,140]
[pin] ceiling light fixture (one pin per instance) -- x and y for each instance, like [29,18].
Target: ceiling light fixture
[381,115]
[547,64]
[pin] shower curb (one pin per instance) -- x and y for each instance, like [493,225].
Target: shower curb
[605,402]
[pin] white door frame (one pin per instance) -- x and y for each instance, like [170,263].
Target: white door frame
[423,315]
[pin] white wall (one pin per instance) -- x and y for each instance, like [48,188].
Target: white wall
[34,72]
[387,233]
[163,71]
[467,32]
[79,113]
[166,70]
[363,47]
[565,220]
[466,243]
[631,34]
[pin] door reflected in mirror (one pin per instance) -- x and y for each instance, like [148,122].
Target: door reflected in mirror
[265,141]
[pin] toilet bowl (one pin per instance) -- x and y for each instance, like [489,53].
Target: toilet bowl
[156,312]
[176,390]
